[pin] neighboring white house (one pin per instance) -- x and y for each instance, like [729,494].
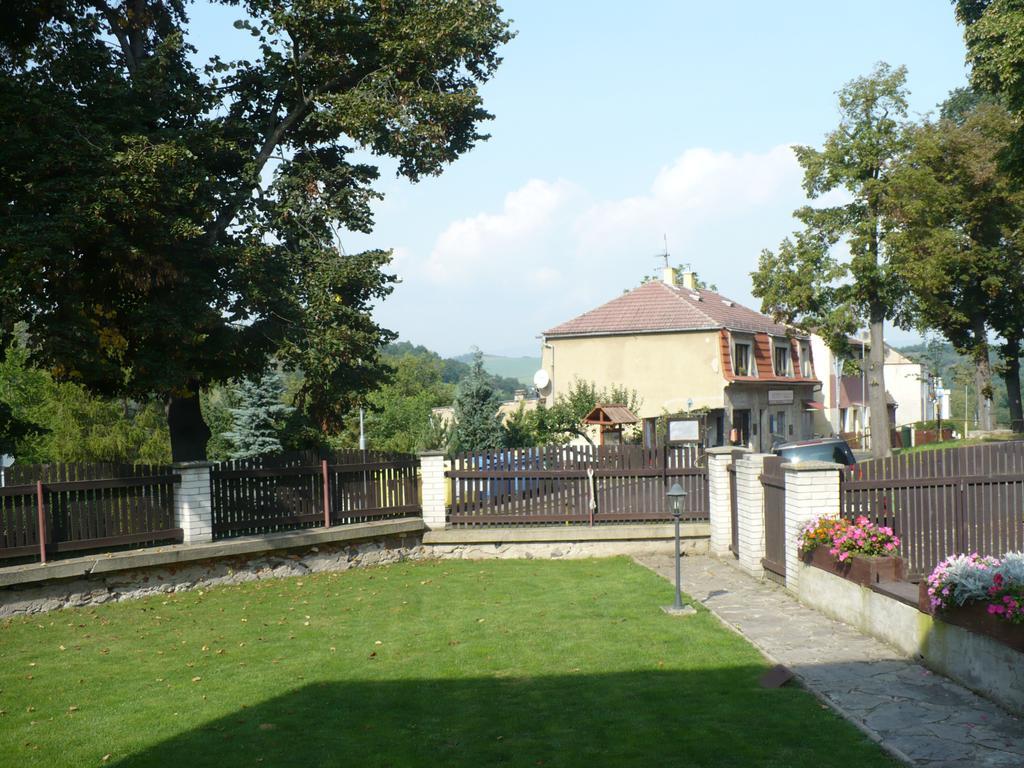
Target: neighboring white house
[846,411]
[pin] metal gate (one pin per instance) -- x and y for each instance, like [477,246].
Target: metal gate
[773,482]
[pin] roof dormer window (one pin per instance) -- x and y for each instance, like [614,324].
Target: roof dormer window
[783,358]
[743,358]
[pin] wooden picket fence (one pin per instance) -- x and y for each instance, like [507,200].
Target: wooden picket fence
[943,502]
[52,509]
[574,484]
[307,489]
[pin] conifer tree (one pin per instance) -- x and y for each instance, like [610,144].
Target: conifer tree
[258,416]
[477,424]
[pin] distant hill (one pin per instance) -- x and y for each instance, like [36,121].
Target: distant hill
[521,368]
[454,369]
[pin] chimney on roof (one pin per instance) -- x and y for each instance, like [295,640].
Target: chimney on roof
[519,396]
[690,280]
[669,276]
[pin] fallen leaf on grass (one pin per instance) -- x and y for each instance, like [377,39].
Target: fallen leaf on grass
[267,726]
[196,679]
[106,757]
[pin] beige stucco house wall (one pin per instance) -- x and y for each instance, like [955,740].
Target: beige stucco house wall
[659,366]
[685,348]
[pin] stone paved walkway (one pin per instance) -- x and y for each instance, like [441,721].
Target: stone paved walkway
[919,716]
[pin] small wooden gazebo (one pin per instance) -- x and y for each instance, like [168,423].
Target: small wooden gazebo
[610,418]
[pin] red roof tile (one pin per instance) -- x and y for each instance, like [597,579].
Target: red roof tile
[655,306]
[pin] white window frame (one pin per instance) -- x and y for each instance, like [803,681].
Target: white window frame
[806,371]
[751,363]
[778,346]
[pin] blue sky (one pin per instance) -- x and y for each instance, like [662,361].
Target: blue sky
[615,125]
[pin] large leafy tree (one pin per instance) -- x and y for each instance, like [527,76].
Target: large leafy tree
[958,219]
[807,282]
[994,34]
[168,223]
[398,415]
[44,421]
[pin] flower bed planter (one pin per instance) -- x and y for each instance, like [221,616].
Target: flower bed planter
[975,617]
[859,569]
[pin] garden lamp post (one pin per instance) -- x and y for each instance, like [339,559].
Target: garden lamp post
[676,494]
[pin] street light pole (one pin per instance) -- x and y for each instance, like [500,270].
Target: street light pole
[675,498]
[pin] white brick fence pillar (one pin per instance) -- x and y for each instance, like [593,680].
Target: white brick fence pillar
[750,512]
[432,474]
[812,489]
[193,503]
[720,499]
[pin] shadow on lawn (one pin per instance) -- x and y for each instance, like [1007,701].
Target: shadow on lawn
[701,718]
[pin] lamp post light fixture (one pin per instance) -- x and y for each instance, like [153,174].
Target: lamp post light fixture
[676,494]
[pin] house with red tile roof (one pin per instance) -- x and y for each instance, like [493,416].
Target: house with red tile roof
[687,349]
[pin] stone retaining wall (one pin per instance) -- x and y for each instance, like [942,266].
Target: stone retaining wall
[92,581]
[131,584]
[531,550]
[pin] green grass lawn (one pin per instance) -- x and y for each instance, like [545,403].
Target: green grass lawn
[452,663]
[962,443]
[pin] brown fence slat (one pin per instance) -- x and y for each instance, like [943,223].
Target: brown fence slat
[306,489]
[943,502]
[552,484]
[85,507]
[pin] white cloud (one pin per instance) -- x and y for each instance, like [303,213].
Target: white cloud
[471,247]
[554,249]
[701,187]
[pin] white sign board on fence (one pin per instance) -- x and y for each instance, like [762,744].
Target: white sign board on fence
[780,396]
[683,430]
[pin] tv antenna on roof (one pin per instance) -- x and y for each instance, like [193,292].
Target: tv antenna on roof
[665,254]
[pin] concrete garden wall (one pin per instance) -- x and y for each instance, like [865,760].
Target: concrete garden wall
[975,661]
[111,577]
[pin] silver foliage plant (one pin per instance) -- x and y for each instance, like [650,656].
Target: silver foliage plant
[971,579]
[1012,567]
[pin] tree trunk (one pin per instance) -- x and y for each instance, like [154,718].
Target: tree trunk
[1011,378]
[188,429]
[982,375]
[879,425]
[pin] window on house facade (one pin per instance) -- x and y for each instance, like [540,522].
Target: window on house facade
[742,358]
[783,361]
[805,359]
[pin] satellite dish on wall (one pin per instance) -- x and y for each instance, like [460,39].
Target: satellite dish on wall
[541,380]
